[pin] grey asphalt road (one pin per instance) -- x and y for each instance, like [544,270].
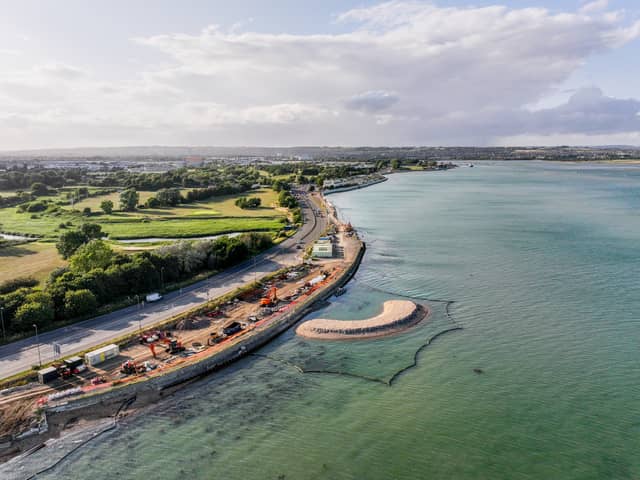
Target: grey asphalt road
[21,355]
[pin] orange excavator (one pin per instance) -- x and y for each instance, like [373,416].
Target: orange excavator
[270,299]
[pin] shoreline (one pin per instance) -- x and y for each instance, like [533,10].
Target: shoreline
[142,391]
[353,187]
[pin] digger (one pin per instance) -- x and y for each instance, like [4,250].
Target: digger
[270,299]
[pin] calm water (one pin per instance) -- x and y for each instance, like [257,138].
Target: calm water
[543,264]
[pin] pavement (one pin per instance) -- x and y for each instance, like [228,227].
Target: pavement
[21,355]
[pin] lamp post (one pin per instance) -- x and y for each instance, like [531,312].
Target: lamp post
[4,333]
[162,277]
[38,344]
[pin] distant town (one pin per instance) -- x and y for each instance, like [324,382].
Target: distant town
[155,158]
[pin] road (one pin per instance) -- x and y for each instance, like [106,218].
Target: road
[21,355]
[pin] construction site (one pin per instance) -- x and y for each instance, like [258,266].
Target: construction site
[214,328]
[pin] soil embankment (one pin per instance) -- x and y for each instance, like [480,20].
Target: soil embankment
[396,316]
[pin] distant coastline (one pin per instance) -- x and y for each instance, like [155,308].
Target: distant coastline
[354,187]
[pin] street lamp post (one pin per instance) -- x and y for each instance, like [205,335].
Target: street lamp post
[38,344]
[162,277]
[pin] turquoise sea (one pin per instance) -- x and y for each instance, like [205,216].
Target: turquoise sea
[542,264]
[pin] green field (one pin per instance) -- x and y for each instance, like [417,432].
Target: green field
[185,227]
[35,259]
[94,202]
[212,217]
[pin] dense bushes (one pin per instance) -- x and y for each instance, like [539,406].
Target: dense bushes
[23,177]
[71,240]
[247,203]
[285,199]
[97,275]
[16,283]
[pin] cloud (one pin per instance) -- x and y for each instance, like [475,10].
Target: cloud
[588,111]
[372,101]
[60,70]
[401,73]
[594,6]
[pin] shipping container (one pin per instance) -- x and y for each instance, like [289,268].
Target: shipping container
[47,375]
[101,354]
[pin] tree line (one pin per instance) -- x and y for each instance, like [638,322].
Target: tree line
[97,275]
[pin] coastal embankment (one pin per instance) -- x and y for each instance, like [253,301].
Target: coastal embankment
[139,391]
[396,316]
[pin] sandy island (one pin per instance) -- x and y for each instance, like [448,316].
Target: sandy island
[396,316]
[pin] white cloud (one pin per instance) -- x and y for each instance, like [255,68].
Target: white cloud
[595,6]
[405,72]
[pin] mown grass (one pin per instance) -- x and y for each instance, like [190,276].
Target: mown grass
[213,217]
[46,225]
[94,202]
[35,259]
[185,227]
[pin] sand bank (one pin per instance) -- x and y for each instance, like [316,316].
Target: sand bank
[396,316]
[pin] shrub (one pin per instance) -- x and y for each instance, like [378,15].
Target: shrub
[36,207]
[16,283]
[79,302]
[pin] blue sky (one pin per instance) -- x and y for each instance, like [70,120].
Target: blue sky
[79,73]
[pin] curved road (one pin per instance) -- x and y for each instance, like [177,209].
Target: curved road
[21,355]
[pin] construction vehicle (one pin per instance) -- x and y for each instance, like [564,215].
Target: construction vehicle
[174,346]
[128,367]
[270,299]
[231,328]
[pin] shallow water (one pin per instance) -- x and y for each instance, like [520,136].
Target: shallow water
[542,261]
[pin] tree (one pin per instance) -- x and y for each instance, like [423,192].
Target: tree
[169,196]
[39,189]
[86,211]
[152,202]
[107,206]
[95,254]
[13,284]
[245,203]
[69,242]
[285,199]
[91,231]
[79,302]
[37,308]
[395,164]
[129,200]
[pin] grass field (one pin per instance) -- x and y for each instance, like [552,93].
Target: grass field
[35,259]
[185,227]
[94,202]
[219,215]
[222,206]
[213,217]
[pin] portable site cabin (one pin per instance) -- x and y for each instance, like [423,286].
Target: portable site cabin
[48,374]
[102,354]
[323,248]
[73,362]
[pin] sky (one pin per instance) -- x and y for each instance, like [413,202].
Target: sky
[78,73]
